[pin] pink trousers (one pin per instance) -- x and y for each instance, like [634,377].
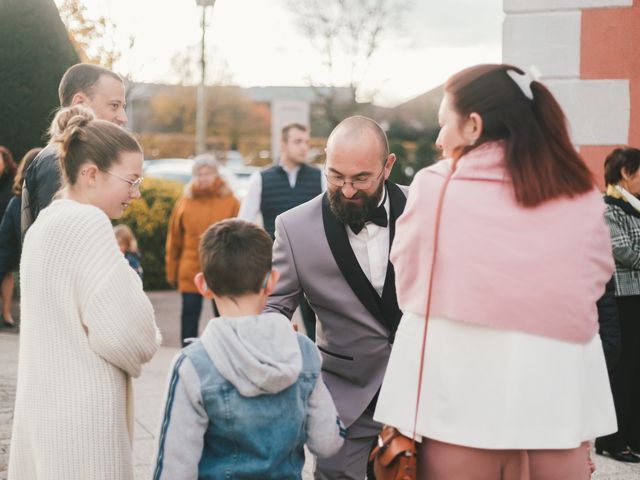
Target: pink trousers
[443,461]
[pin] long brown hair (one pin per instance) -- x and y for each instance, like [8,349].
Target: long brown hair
[24,164]
[125,237]
[541,160]
[9,164]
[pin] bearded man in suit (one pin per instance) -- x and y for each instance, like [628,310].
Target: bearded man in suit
[335,249]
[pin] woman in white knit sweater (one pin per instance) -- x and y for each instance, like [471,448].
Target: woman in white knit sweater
[87,326]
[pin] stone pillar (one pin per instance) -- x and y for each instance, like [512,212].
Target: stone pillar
[284,112]
[586,51]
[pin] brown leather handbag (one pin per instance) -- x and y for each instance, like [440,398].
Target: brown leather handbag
[395,457]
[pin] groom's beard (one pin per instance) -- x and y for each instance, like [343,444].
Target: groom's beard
[356,210]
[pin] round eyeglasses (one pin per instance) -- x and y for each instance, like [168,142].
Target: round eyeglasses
[133,183]
[360,184]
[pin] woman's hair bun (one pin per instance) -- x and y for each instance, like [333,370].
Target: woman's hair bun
[68,117]
[68,125]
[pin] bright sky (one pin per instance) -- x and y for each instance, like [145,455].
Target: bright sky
[258,43]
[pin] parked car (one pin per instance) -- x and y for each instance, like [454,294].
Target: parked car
[243,176]
[234,158]
[179,170]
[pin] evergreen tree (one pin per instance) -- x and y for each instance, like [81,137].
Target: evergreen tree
[35,51]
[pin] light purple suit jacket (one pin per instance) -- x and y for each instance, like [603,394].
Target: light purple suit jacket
[354,344]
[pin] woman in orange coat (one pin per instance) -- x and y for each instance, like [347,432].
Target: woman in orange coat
[207,200]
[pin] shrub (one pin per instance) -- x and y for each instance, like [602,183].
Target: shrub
[34,53]
[399,173]
[148,217]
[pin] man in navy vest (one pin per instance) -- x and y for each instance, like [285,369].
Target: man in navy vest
[280,188]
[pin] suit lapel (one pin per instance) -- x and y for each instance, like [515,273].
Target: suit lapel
[347,261]
[397,202]
[392,313]
[385,309]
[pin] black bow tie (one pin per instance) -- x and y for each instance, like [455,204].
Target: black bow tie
[379,217]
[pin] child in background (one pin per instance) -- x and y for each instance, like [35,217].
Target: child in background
[245,397]
[128,246]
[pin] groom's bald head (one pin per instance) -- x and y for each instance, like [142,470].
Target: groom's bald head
[358,129]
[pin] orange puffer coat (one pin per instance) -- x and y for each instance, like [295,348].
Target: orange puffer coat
[193,213]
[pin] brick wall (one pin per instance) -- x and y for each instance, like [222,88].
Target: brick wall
[587,52]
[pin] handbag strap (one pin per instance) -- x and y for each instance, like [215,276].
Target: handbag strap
[436,232]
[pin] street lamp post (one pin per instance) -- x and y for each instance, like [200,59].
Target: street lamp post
[201,99]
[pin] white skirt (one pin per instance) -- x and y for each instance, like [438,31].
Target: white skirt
[495,389]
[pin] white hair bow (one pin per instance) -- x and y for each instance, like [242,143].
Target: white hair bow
[524,80]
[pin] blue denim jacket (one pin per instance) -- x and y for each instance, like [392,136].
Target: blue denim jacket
[254,437]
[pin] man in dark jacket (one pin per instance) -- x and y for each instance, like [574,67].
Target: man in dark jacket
[93,86]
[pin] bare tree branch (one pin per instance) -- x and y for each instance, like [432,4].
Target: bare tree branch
[352,30]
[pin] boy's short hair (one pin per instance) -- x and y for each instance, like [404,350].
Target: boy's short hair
[235,257]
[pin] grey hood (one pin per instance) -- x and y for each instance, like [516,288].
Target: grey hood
[264,348]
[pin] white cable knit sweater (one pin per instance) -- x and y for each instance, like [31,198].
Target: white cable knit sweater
[86,329]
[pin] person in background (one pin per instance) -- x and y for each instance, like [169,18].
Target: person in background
[515,383]
[280,188]
[10,238]
[7,174]
[129,247]
[622,177]
[93,86]
[245,397]
[207,199]
[87,326]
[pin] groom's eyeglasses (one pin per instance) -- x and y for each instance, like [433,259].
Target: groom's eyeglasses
[361,183]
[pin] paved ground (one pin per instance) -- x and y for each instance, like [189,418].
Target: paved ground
[149,389]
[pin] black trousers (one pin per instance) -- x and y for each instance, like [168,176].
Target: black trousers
[190,316]
[625,379]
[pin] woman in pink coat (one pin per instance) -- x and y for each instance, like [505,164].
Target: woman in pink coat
[514,382]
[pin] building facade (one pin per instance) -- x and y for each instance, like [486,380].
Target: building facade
[587,54]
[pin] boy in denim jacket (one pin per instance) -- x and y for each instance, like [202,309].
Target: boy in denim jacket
[245,397]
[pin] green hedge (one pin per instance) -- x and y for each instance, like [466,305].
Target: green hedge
[148,217]
[34,53]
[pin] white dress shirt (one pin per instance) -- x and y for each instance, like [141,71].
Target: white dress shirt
[250,207]
[371,248]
